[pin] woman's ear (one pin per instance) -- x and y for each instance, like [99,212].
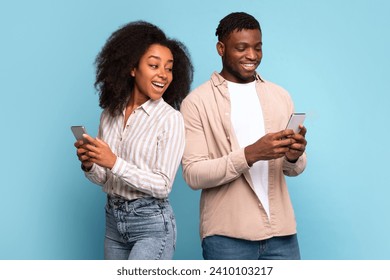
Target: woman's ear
[132,72]
[220,48]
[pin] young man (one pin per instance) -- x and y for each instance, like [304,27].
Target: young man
[238,151]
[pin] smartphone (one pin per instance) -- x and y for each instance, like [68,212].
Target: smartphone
[295,120]
[78,131]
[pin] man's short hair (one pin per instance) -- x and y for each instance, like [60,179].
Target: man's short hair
[235,21]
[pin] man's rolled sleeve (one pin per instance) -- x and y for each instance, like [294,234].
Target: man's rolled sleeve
[294,168]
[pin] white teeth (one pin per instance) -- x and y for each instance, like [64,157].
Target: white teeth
[158,84]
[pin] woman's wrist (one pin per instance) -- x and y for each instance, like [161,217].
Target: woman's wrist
[85,168]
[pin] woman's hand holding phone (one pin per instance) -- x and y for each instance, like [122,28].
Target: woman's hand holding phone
[79,132]
[99,152]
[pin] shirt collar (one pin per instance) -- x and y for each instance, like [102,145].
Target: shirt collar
[218,80]
[150,105]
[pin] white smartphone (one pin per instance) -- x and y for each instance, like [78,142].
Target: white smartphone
[295,120]
[78,131]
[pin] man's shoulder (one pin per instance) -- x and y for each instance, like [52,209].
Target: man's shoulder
[273,87]
[201,92]
[271,84]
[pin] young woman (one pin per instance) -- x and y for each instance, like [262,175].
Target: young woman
[142,77]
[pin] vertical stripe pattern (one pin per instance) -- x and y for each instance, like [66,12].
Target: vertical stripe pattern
[148,149]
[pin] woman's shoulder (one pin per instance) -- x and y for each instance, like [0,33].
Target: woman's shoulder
[168,111]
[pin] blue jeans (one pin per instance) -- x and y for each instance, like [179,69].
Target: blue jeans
[217,247]
[142,229]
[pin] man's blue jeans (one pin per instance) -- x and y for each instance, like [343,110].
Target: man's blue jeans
[143,229]
[217,247]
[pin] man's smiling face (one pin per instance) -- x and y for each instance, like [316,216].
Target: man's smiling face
[241,53]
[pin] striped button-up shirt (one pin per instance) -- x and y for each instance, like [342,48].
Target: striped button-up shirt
[148,147]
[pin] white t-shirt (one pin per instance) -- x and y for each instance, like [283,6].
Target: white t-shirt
[248,124]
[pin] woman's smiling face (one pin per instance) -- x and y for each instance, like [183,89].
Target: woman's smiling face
[153,74]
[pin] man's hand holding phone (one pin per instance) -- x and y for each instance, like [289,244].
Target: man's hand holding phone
[299,146]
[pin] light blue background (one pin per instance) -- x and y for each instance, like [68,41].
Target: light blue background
[332,56]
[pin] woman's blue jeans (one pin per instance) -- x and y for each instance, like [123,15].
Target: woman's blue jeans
[217,247]
[142,229]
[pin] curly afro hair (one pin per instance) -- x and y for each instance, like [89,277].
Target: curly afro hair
[123,51]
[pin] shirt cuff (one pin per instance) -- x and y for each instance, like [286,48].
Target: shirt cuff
[290,164]
[239,161]
[119,167]
[294,168]
[88,171]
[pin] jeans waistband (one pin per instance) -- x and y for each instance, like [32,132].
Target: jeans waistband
[118,202]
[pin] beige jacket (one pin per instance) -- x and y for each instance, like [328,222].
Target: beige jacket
[214,162]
